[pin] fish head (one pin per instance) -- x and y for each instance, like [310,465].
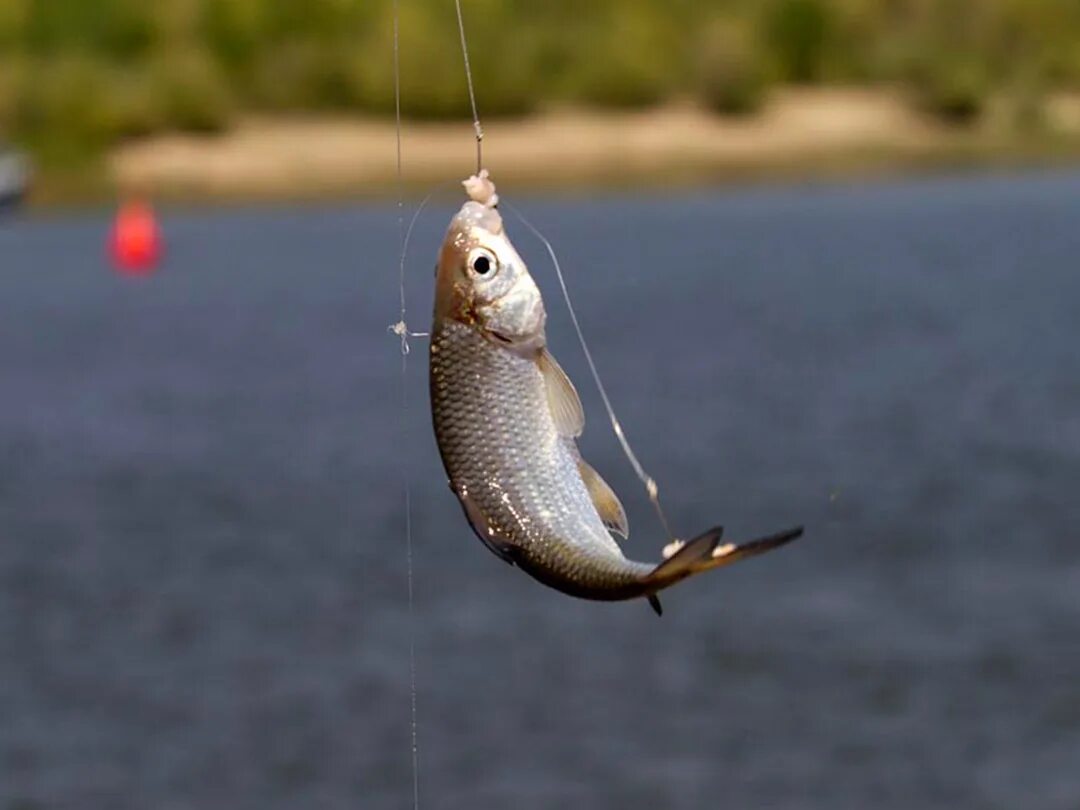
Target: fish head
[483,282]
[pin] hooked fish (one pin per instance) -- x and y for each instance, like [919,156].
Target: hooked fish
[506,418]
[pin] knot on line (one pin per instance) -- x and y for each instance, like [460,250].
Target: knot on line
[401,329]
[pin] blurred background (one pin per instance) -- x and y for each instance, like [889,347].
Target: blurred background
[825,253]
[122,93]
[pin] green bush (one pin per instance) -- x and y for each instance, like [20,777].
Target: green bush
[432,79]
[953,88]
[299,75]
[625,61]
[133,104]
[233,31]
[13,18]
[62,107]
[797,34]
[193,93]
[732,76]
[76,75]
[120,29]
[507,70]
[11,80]
[71,109]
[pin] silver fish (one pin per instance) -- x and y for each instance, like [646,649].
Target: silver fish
[506,419]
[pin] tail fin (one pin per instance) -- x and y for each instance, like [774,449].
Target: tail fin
[705,552]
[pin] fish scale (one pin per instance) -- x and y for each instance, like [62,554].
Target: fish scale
[505,420]
[501,450]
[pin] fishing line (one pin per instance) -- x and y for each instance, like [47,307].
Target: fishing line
[401,328]
[472,94]
[650,483]
[402,239]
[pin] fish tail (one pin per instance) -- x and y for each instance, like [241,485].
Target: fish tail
[706,552]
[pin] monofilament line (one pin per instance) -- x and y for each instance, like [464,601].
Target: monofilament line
[472,94]
[650,484]
[399,175]
[404,332]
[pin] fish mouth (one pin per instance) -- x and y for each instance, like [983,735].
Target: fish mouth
[474,220]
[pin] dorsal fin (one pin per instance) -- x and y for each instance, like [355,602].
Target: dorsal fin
[562,397]
[605,500]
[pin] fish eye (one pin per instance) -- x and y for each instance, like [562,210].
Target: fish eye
[482,262]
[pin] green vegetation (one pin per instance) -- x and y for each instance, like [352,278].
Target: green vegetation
[79,75]
[732,74]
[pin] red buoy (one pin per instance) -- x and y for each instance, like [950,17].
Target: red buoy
[135,240]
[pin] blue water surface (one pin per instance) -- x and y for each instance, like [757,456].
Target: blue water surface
[203,594]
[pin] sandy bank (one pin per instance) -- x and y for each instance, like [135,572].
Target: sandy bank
[806,131]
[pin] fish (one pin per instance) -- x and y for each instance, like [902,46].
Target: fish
[507,417]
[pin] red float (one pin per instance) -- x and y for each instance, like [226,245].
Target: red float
[135,240]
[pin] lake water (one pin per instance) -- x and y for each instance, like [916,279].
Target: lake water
[203,596]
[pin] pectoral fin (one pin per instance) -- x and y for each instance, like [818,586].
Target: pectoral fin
[498,545]
[605,500]
[562,397]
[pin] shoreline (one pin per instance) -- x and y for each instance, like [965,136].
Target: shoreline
[802,134]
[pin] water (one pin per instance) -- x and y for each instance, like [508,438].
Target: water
[202,569]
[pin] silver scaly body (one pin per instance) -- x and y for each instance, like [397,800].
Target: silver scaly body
[506,418]
[517,477]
